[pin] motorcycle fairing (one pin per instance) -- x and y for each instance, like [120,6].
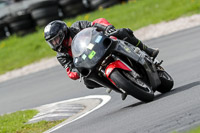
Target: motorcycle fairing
[91,51]
[114,65]
[89,48]
[140,57]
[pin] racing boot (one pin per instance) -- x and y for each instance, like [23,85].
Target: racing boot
[150,51]
[153,52]
[128,36]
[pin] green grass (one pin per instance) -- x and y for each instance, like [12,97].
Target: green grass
[195,130]
[15,52]
[16,123]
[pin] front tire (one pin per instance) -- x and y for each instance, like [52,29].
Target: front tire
[142,93]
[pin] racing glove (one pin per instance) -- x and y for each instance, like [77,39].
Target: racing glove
[103,25]
[107,30]
[72,75]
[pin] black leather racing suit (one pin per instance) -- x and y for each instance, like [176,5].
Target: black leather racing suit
[63,57]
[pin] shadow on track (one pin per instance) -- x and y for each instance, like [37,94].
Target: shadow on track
[178,90]
[174,91]
[157,97]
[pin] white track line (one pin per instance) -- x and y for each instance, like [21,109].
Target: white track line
[105,99]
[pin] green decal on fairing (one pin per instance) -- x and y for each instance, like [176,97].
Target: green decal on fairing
[127,49]
[92,54]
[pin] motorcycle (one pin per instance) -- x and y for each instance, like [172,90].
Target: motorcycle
[119,66]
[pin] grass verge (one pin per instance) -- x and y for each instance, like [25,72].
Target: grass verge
[16,123]
[16,52]
[195,130]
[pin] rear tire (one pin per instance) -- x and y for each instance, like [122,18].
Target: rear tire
[20,24]
[71,8]
[167,82]
[2,29]
[45,12]
[45,21]
[141,93]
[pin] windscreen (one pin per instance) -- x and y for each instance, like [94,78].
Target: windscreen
[81,41]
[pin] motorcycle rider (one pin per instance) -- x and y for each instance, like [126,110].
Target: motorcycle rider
[59,37]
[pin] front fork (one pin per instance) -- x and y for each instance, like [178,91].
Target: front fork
[108,69]
[116,64]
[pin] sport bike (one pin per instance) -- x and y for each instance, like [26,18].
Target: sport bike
[119,66]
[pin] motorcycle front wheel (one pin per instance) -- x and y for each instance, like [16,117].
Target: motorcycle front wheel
[134,87]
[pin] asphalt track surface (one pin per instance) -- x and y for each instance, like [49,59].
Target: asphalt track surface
[178,110]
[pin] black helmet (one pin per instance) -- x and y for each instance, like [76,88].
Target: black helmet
[55,33]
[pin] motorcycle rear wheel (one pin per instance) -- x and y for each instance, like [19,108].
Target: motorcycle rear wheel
[141,92]
[167,82]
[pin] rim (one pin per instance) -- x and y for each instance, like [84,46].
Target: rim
[135,78]
[165,75]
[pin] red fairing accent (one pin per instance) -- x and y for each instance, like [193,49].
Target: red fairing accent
[65,41]
[112,66]
[102,21]
[113,37]
[69,52]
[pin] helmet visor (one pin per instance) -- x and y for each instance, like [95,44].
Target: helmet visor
[56,41]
